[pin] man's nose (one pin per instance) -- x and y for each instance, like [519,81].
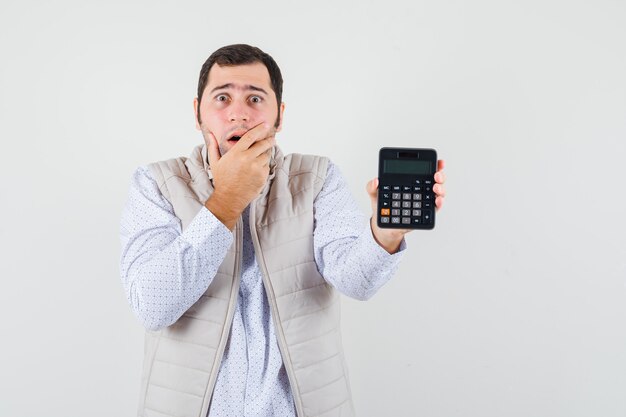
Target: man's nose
[238,112]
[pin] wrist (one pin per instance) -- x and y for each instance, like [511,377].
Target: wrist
[388,239]
[223,209]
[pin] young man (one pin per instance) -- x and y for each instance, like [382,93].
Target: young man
[233,259]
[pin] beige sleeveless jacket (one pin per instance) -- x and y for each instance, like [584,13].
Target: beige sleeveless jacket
[182,361]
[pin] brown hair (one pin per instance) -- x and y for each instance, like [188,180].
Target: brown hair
[241,54]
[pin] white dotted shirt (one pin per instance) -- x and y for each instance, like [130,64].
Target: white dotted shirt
[165,271]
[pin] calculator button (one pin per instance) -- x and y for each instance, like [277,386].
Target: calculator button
[417,196]
[384,219]
[428,197]
[386,187]
[406,188]
[395,212]
[428,182]
[406,212]
[417,188]
[406,220]
[395,220]
[384,212]
[427,216]
[417,212]
[406,204]
[406,196]
[418,182]
[386,203]
[417,204]
[428,204]
[395,196]
[387,196]
[395,204]
[417,220]
[396,188]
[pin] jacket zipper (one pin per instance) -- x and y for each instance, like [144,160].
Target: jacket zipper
[231,313]
[282,342]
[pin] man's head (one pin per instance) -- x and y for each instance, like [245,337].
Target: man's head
[239,87]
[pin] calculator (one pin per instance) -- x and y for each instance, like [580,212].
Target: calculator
[405,188]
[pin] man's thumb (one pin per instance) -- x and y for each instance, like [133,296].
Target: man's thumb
[214,150]
[371,187]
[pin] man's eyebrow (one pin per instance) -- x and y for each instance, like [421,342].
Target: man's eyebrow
[245,87]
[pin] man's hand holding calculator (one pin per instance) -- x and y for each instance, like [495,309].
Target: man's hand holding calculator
[388,238]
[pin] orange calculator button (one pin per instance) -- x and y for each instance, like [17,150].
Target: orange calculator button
[384,212]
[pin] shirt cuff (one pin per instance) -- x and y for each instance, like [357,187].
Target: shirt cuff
[206,228]
[379,258]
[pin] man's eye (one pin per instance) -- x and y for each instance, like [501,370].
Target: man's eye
[256,99]
[221,97]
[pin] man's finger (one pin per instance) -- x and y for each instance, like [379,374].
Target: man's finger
[264,156]
[214,150]
[438,203]
[441,165]
[439,189]
[258,132]
[261,146]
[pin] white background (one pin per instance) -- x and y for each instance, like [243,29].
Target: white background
[515,304]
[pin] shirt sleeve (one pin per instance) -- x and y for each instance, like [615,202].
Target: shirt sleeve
[165,270]
[346,253]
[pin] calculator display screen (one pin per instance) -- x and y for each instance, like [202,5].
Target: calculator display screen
[400,166]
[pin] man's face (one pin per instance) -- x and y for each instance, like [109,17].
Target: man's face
[235,99]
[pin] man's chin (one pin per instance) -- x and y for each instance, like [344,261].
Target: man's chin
[226,146]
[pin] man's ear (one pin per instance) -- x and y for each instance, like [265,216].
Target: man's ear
[280,121]
[195,111]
